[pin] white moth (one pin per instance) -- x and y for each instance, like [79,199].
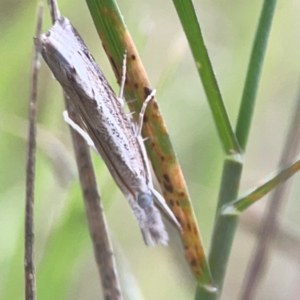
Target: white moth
[107,126]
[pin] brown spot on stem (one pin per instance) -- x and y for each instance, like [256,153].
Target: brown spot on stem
[147,91]
[191,257]
[193,262]
[133,57]
[177,202]
[182,194]
[179,214]
[162,158]
[136,85]
[166,177]
[168,187]
[145,119]
[189,226]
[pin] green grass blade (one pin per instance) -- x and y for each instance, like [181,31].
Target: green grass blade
[244,202]
[190,24]
[254,72]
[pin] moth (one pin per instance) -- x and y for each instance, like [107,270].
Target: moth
[115,136]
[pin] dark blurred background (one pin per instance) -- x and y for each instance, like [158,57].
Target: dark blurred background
[64,258]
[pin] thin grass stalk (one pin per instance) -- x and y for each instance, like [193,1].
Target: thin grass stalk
[287,240]
[253,73]
[29,266]
[271,223]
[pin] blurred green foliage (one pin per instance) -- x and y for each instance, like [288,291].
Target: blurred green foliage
[64,257]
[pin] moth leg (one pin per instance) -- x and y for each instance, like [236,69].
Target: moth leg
[79,130]
[142,112]
[159,199]
[123,79]
[162,203]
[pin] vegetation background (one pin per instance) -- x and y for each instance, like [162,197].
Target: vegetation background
[64,258]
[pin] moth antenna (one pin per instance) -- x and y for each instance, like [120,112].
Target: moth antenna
[54,10]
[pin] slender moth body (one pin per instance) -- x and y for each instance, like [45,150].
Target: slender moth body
[105,121]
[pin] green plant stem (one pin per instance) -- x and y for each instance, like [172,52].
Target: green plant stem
[225,226]
[224,230]
[242,203]
[190,24]
[202,293]
[254,71]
